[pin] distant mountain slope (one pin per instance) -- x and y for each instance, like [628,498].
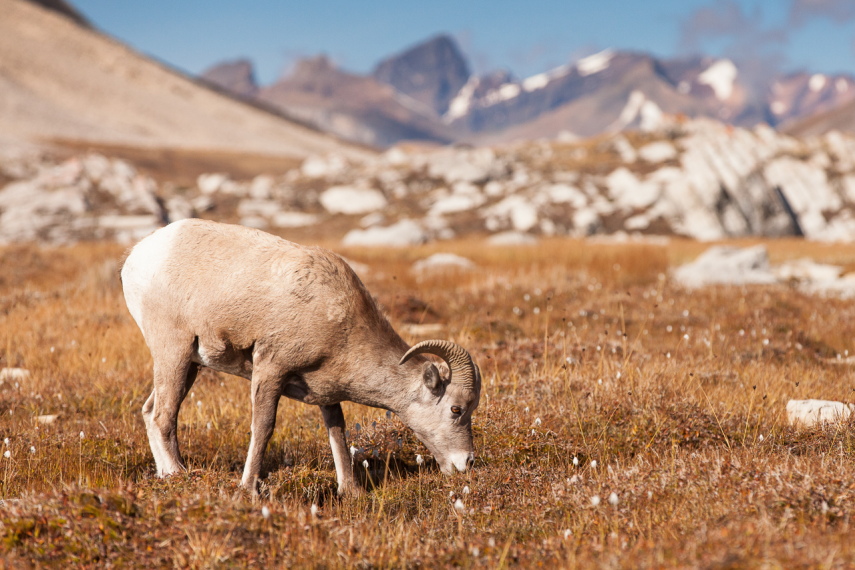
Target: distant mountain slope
[352,106]
[61,80]
[840,118]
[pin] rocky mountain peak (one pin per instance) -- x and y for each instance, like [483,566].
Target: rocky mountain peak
[312,66]
[236,76]
[432,72]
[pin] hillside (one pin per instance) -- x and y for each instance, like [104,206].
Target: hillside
[61,80]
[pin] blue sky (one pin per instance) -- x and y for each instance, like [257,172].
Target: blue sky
[524,37]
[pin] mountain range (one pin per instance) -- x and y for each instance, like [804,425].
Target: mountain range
[429,93]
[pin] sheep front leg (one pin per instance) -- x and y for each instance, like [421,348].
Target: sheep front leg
[266,391]
[334,420]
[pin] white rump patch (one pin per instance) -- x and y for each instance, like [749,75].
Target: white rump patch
[143,264]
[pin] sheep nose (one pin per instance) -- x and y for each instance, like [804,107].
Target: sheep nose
[462,461]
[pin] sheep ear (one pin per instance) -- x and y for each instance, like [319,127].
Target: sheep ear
[432,379]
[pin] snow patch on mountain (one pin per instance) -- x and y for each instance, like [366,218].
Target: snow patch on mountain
[721,77]
[817,82]
[595,63]
[640,109]
[503,93]
[462,102]
[541,80]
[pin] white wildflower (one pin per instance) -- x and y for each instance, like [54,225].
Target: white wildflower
[82,435]
[420,460]
[353,451]
[32,449]
[537,422]
[613,499]
[594,464]
[7,454]
[567,533]
[466,490]
[575,461]
[595,501]
[459,506]
[265,512]
[365,463]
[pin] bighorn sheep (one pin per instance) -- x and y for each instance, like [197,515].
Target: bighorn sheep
[296,321]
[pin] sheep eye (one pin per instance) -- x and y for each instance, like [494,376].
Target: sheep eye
[455,410]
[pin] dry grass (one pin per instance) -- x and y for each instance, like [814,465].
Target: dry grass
[589,355]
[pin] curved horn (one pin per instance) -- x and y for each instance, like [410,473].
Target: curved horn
[463,369]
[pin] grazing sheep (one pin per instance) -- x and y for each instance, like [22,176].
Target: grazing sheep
[296,321]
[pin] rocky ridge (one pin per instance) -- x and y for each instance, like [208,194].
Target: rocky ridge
[699,179]
[433,96]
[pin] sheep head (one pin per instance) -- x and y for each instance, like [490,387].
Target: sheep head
[441,413]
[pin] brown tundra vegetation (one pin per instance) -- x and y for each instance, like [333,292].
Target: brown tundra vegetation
[624,422]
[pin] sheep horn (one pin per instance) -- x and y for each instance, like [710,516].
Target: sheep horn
[463,369]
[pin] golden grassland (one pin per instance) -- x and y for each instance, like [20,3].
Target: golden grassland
[624,422]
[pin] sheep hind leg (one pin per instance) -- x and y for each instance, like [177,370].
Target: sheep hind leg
[334,420]
[173,378]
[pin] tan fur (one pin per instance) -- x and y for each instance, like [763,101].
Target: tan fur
[295,321]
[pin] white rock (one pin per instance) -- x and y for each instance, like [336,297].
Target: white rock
[456,203]
[255,207]
[658,151]
[403,233]
[372,219]
[178,208]
[811,412]
[256,222]
[726,265]
[628,192]
[511,238]
[563,193]
[586,221]
[128,229]
[261,187]
[323,166]
[521,213]
[463,165]
[807,270]
[211,183]
[352,200]
[624,149]
[442,262]
[293,219]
